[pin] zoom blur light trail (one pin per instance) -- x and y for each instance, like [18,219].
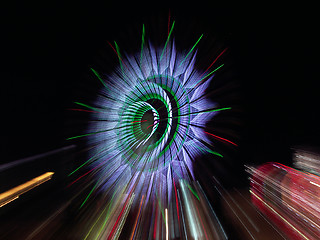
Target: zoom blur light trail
[148,126]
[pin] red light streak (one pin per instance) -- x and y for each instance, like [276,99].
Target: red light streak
[155,223]
[139,121]
[152,124]
[117,54]
[223,139]
[214,61]
[210,66]
[114,227]
[87,173]
[175,191]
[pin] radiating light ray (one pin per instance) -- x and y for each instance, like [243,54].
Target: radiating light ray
[87,106]
[148,126]
[165,45]
[142,43]
[177,205]
[117,51]
[82,110]
[119,55]
[87,173]
[139,121]
[85,163]
[105,209]
[274,211]
[191,50]
[167,224]
[213,62]
[98,76]
[221,138]
[88,134]
[209,74]
[137,218]
[86,199]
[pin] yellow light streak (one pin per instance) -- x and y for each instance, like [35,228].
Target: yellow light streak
[167,225]
[14,193]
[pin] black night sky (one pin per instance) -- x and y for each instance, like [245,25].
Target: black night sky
[47,51]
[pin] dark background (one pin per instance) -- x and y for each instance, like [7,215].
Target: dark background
[47,51]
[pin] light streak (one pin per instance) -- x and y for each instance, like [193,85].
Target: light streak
[209,74]
[88,134]
[142,43]
[191,50]
[118,219]
[14,193]
[87,106]
[177,205]
[118,54]
[98,76]
[123,219]
[139,121]
[87,173]
[221,138]
[167,227]
[88,195]
[137,218]
[155,223]
[165,45]
[190,214]
[213,62]
[81,110]
[283,219]
[315,184]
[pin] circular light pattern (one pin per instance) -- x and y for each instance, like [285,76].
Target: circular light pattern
[145,132]
[149,119]
[150,111]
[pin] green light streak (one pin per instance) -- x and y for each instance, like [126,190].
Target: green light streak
[87,106]
[119,55]
[81,165]
[205,111]
[213,152]
[96,221]
[100,151]
[207,150]
[108,210]
[190,214]
[209,74]
[107,216]
[88,195]
[88,134]
[191,50]
[142,42]
[219,109]
[193,191]
[98,76]
[167,41]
